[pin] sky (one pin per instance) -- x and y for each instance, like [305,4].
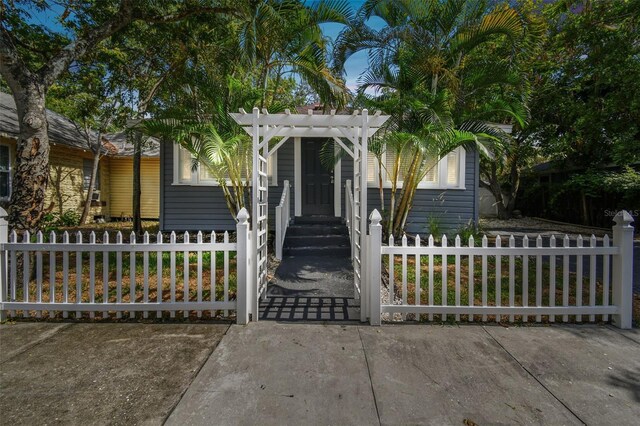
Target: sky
[354,66]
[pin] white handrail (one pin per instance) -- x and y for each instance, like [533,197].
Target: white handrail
[348,202]
[283,212]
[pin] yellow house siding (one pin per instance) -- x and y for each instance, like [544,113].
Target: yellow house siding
[122,187]
[65,190]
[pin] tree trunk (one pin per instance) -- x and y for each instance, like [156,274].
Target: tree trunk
[31,175]
[92,183]
[137,157]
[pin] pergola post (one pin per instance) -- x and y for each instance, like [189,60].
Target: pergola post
[264,127]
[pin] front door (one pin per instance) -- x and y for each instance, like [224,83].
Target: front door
[317,181]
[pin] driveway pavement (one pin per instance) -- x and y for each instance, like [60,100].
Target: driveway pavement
[273,373]
[65,373]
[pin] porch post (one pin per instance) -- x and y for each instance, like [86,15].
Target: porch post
[253,280]
[623,269]
[375,263]
[364,241]
[243,268]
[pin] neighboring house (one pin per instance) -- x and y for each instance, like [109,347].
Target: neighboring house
[191,199]
[70,162]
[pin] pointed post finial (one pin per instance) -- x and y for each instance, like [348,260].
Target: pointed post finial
[623,218]
[243,216]
[375,217]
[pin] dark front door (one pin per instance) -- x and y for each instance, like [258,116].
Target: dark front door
[317,181]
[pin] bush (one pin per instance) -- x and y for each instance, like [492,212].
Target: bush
[470,230]
[69,218]
[53,221]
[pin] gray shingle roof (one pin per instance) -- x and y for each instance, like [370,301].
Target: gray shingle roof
[62,131]
[150,145]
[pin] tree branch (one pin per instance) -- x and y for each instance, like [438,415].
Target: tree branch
[60,61]
[12,67]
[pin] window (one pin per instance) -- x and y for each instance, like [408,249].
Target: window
[184,175]
[87,166]
[448,172]
[5,172]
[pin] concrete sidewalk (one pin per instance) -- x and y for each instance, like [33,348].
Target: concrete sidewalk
[274,374]
[86,374]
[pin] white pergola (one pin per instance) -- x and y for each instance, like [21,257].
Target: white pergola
[351,132]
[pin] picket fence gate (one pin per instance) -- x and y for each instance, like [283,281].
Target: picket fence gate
[559,288]
[74,276]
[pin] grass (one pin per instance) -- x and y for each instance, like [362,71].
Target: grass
[155,281]
[517,289]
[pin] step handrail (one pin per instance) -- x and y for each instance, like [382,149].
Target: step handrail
[283,213]
[348,211]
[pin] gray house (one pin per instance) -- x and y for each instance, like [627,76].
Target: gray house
[191,200]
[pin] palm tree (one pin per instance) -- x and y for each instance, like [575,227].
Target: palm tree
[246,62]
[419,70]
[284,36]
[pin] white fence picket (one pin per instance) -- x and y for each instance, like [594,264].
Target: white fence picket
[527,301]
[552,277]
[457,276]
[444,288]
[525,278]
[471,277]
[579,279]
[79,266]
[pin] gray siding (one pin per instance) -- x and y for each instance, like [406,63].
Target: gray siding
[203,207]
[453,208]
[194,208]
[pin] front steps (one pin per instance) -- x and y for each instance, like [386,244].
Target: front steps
[317,236]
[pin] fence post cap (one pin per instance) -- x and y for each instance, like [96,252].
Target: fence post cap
[623,218]
[3,213]
[243,216]
[375,217]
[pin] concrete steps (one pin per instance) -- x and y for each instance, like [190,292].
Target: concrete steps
[317,236]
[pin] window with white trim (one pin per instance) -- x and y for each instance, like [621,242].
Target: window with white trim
[185,175]
[5,172]
[448,172]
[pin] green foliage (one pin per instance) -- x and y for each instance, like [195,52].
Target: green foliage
[434,224]
[593,183]
[469,230]
[54,221]
[425,72]
[587,90]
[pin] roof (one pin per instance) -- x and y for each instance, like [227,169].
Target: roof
[150,146]
[63,131]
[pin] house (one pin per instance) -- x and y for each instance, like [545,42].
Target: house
[70,163]
[191,200]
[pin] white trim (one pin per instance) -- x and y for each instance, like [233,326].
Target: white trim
[337,185]
[297,175]
[195,175]
[442,175]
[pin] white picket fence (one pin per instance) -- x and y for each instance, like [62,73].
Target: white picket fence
[476,283]
[283,216]
[88,278]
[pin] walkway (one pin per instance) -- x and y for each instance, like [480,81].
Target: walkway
[293,374]
[278,374]
[311,288]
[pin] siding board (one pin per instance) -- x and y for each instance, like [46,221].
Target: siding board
[122,187]
[203,207]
